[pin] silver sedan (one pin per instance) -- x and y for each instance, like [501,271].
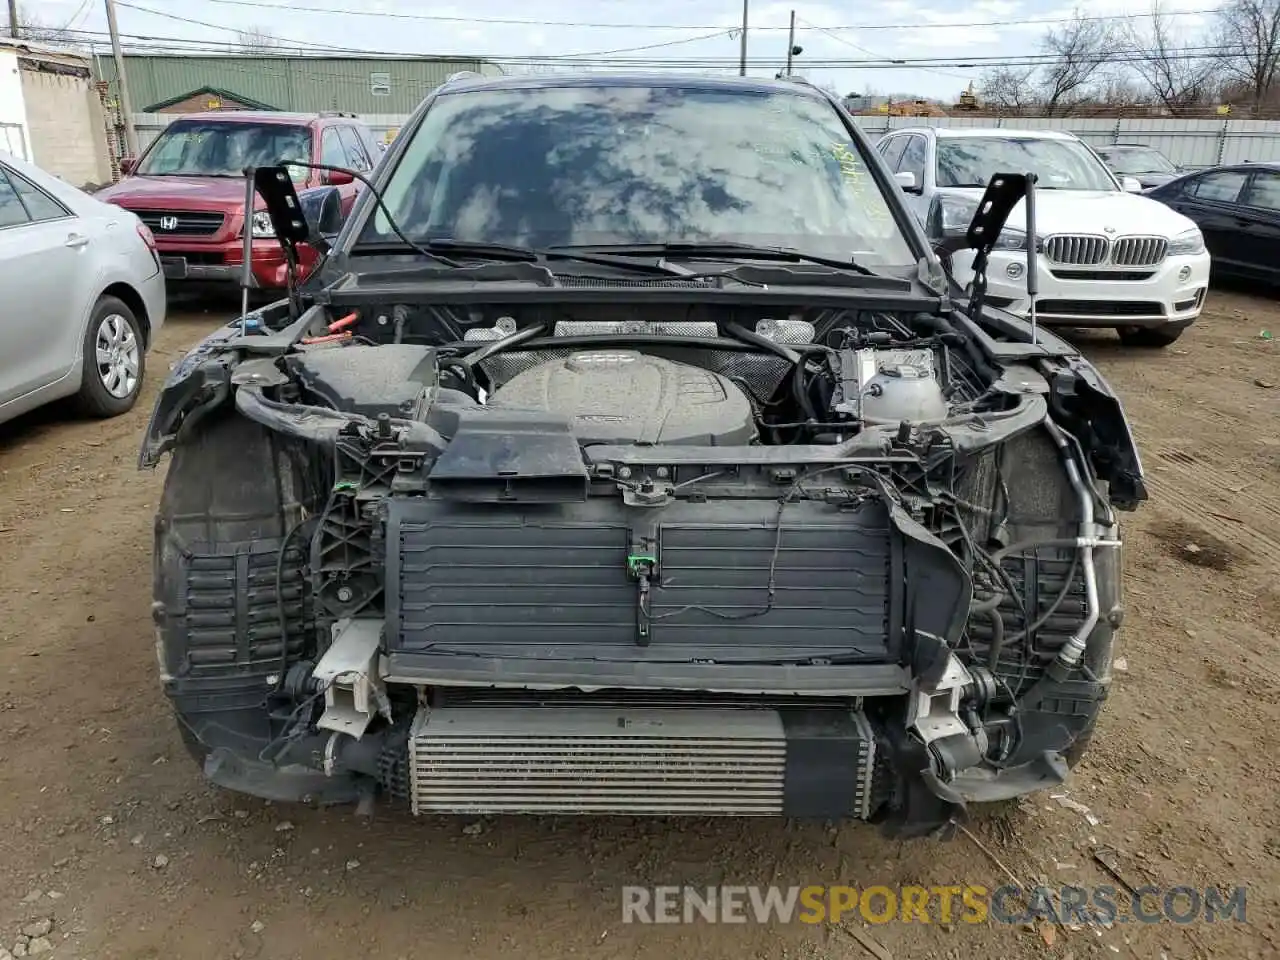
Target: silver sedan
[83,296]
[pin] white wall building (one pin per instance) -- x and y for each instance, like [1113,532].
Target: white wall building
[51,113]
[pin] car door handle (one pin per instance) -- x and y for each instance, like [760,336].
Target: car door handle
[75,240]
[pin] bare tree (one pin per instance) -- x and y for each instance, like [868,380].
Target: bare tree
[1080,51]
[257,40]
[1249,34]
[1010,90]
[1180,79]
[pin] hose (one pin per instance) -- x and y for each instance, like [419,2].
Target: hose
[763,342]
[997,638]
[1072,651]
[793,357]
[474,359]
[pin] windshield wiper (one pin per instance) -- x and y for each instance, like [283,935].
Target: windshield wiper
[514,252]
[717,249]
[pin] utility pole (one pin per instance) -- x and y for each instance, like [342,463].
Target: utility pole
[742,57]
[791,41]
[122,82]
[13,19]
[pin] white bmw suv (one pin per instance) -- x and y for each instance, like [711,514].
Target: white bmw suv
[1107,257]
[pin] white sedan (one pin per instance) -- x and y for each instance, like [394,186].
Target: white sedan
[83,294]
[1107,256]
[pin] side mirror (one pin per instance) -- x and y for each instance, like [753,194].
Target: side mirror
[947,222]
[127,165]
[1131,184]
[906,180]
[322,209]
[337,178]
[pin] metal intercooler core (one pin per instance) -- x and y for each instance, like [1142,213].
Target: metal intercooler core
[598,760]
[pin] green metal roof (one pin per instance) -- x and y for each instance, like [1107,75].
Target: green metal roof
[292,83]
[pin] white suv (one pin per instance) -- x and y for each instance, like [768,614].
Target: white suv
[1108,258]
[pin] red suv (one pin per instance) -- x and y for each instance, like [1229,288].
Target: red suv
[188,187]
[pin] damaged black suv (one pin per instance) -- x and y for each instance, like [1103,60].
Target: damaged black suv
[632,452]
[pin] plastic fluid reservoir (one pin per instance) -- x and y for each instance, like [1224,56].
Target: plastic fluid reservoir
[903,392]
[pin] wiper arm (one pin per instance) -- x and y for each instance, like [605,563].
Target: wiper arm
[718,248]
[510,251]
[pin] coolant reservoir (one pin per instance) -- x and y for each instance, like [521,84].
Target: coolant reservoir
[900,392]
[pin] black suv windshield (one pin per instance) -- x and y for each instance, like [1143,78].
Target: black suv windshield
[1057,164]
[214,148]
[632,164]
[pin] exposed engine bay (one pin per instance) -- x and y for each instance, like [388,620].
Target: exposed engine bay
[695,382]
[828,562]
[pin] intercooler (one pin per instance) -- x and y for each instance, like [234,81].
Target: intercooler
[635,761]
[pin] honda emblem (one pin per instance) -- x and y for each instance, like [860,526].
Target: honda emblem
[168,223]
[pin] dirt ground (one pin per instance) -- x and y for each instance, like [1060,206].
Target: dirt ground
[109,832]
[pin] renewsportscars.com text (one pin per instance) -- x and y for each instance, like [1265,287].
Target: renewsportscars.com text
[1104,905]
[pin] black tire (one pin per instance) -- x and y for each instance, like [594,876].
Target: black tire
[1149,336]
[129,361]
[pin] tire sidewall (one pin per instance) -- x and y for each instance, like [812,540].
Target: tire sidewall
[93,397]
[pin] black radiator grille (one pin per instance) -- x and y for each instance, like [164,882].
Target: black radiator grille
[553,582]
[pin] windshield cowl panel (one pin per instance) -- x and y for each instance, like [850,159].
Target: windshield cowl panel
[213,148]
[1057,164]
[603,165]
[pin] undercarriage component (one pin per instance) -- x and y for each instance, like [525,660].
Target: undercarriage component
[699,761]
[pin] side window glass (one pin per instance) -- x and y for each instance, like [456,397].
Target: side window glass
[372,145]
[1221,187]
[331,151]
[12,212]
[892,151]
[913,158]
[40,206]
[357,158]
[1264,191]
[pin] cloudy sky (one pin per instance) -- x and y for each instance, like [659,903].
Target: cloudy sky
[703,31]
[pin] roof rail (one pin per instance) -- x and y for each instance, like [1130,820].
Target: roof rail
[463,75]
[337,113]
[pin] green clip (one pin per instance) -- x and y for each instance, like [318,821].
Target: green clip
[636,560]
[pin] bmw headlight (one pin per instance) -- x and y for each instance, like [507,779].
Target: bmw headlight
[1011,240]
[1187,244]
[262,228]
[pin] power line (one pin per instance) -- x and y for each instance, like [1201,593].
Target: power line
[855,46]
[608,58]
[508,21]
[595,58]
[724,31]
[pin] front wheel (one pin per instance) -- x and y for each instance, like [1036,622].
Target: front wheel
[114,360]
[1149,336]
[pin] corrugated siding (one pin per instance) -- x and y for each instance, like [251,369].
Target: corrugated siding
[1188,143]
[302,84]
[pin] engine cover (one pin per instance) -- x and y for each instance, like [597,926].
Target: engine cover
[624,396]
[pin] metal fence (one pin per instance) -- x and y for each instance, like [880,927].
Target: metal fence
[1188,143]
